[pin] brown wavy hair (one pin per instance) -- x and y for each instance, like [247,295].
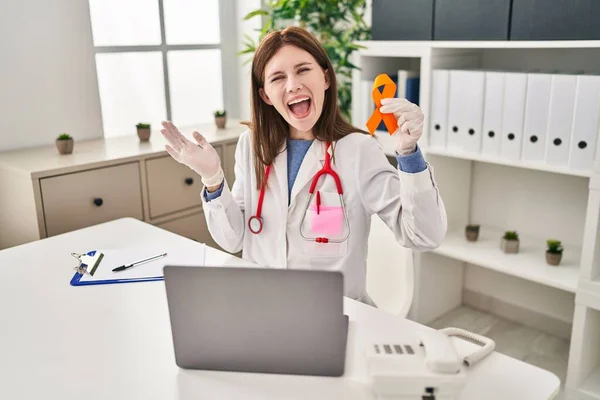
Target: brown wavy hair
[269,129]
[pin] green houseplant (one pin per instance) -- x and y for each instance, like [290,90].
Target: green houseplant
[338,24]
[472,232]
[143,131]
[510,242]
[64,143]
[554,251]
[220,118]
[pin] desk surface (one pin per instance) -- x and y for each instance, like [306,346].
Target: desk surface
[114,341]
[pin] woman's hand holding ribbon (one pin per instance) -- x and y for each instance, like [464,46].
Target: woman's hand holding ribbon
[200,156]
[410,123]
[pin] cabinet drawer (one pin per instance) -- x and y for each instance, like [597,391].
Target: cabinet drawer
[172,186]
[192,227]
[87,198]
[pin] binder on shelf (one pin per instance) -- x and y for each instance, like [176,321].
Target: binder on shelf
[366,103]
[465,110]
[586,123]
[473,111]
[96,267]
[535,125]
[439,108]
[407,85]
[513,112]
[492,113]
[560,121]
[456,83]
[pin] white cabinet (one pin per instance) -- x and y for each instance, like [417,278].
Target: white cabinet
[44,193]
[81,199]
[191,226]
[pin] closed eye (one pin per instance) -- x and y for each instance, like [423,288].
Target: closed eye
[303,70]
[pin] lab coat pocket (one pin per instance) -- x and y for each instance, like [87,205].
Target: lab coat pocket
[326,220]
[324,229]
[322,255]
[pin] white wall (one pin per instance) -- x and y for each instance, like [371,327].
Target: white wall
[47,73]
[246,27]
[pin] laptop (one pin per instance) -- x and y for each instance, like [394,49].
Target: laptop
[257,319]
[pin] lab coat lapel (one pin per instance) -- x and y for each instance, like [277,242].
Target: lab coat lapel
[311,164]
[280,169]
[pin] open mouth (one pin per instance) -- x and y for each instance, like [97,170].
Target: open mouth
[300,107]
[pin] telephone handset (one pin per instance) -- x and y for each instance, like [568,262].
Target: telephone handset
[426,369]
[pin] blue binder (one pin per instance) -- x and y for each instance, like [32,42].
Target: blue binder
[96,257]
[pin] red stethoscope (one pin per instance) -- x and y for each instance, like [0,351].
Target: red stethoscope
[255,223]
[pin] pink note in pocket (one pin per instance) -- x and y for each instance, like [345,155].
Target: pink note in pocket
[328,222]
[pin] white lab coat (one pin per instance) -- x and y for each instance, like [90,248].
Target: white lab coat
[409,204]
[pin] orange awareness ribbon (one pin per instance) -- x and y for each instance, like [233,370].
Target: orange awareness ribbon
[389,90]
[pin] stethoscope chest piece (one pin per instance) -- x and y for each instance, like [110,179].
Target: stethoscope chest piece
[255,224]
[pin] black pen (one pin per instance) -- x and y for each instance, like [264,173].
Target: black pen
[124,267]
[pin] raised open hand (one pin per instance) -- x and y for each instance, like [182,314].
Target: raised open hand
[199,156]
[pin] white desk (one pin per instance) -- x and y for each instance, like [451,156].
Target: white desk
[114,341]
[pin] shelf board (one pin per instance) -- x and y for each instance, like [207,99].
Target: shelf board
[401,48]
[591,386]
[500,161]
[529,263]
[588,294]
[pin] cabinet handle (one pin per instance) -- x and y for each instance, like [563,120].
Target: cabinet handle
[98,201]
[189,181]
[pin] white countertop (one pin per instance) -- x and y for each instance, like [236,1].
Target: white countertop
[43,161]
[114,341]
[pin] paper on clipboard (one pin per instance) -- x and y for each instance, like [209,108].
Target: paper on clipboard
[186,256]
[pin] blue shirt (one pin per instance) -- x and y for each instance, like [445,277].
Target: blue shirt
[297,148]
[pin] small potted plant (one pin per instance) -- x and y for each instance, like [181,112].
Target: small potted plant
[220,118]
[64,143]
[143,131]
[554,252]
[472,232]
[510,242]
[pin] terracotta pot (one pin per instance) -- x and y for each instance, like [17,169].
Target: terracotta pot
[553,258]
[65,146]
[143,134]
[220,121]
[509,246]
[472,234]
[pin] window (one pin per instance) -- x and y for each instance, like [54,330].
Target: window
[157,60]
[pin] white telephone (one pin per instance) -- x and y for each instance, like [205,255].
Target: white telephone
[427,369]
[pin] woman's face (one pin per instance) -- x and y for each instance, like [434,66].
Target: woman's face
[295,85]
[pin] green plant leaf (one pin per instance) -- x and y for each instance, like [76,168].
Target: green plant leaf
[254,13]
[337,24]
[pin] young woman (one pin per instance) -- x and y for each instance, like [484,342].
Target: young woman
[307,182]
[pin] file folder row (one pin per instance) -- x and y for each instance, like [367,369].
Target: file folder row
[531,117]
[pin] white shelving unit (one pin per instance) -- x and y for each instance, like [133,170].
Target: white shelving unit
[528,264]
[537,200]
[497,160]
